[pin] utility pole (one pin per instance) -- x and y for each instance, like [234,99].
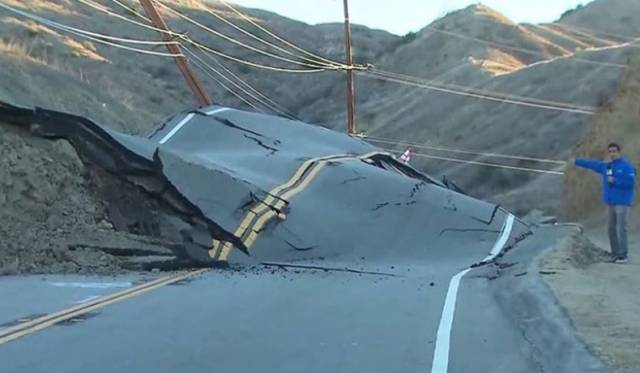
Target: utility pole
[351,94]
[195,85]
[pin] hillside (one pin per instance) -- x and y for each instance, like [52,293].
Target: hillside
[580,198]
[476,47]
[608,19]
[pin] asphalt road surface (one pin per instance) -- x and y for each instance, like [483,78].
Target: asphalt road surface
[273,319]
[341,259]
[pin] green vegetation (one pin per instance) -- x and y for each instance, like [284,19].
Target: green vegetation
[571,11]
[409,37]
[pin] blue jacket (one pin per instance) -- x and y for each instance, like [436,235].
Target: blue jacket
[624,174]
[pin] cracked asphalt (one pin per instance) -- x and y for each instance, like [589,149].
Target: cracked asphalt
[308,317]
[355,262]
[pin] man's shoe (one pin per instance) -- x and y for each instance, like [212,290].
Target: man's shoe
[621,261]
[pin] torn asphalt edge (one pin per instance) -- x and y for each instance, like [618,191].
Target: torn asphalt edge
[96,147]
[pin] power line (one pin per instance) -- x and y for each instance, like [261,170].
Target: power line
[195,86]
[592,36]
[109,12]
[484,164]
[481,91]
[247,62]
[598,32]
[460,151]
[503,98]
[196,43]
[268,43]
[275,36]
[88,34]
[398,78]
[239,43]
[524,50]
[248,86]
[204,69]
[243,90]
[49,22]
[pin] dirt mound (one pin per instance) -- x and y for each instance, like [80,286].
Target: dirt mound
[55,214]
[44,202]
[574,251]
[615,122]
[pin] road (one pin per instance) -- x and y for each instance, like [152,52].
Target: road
[340,259]
[276,320]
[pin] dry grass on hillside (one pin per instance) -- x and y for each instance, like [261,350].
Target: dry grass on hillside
[617,121]
[54,6]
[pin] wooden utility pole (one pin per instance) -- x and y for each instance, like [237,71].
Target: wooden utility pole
[351,90]
[195,85]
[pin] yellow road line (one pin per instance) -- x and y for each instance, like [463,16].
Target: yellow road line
[44,322]
[264,211]
[292,180]
[261,207]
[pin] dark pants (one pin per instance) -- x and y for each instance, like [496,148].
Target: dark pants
[618,217]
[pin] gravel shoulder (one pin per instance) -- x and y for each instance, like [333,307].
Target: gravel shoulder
[602,299]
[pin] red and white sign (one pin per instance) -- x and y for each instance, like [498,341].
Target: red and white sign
[406,156]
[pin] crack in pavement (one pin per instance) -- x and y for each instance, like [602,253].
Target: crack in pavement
[299,248]
[380,205]
[358,178]
[416,188]
[262,144]
[467,230]
[229,123]
[327,269]
[535,350]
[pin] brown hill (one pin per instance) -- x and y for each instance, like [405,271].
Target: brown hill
[617,121]
[475,47]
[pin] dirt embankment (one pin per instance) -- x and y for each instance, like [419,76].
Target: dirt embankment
[602,298]
[57,214]
[618,122]
[45,203]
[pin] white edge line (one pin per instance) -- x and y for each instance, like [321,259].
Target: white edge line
[185,121]
[441,353]
[443,336]
[92,285]
[502,240]
[177,128]
[87,299]
[216,111]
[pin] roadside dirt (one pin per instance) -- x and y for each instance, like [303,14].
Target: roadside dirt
[603,299]
[52,219]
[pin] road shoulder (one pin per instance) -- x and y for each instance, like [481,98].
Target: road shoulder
[601,298]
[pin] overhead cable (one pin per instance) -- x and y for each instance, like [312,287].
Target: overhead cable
[203,68]
[275,36]
[240,43]
[484,164]
[570,57]
[268,43]
[190,41]
[230,81]
[273,104]
[506,99]
[388,141]
[86,34]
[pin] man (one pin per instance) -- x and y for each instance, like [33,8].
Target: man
[618,183]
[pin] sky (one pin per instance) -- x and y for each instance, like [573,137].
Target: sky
[403,16]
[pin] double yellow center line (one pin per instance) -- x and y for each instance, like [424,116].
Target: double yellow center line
[259,215]
[40,323]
